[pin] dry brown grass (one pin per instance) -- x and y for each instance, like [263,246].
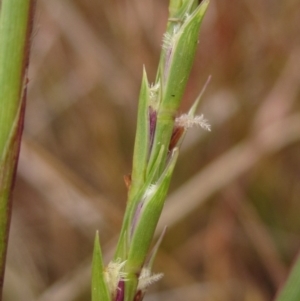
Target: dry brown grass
[233,210]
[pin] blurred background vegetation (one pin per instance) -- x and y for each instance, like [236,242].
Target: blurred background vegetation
[234,205]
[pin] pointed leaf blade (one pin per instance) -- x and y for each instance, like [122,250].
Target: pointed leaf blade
[99,288]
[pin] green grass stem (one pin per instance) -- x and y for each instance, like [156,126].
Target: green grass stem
[15,28]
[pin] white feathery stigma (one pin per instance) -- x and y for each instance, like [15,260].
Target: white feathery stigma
[167,41]
[153,91]
[113,274]
[186,16]
[169,38]
[147,278]
[186,121]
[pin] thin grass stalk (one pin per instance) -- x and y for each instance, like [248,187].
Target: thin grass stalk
[158,138]
[15,29]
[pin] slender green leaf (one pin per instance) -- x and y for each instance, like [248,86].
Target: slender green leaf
[141,152]
[141,145]
[99,288]
[15,29]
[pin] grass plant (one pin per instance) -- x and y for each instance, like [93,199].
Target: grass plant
[158,138]
[159,135]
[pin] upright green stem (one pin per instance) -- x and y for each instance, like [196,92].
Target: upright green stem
[15,29]
[158,138]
